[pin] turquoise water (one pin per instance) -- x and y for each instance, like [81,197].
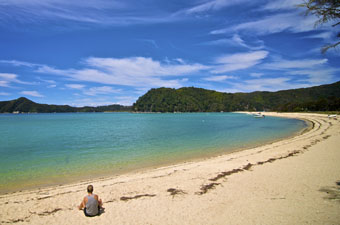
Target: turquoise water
[43,149]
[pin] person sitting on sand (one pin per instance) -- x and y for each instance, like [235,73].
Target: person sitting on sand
[91,203]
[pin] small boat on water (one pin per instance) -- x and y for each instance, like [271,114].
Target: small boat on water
[258,115]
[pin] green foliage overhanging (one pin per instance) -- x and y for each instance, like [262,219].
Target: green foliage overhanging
[326,11]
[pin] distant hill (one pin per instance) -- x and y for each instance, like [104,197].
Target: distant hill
[190,99]
[25,105]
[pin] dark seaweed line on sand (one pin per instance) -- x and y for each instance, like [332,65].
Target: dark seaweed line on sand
[46,213]
[26,219]
[124,198]
[174,191]
[205,188]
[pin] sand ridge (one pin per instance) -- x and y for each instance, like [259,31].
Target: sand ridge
[291,181]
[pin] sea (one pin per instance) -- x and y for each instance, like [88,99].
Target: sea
[39,150]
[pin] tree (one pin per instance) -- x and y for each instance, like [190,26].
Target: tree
[326,11]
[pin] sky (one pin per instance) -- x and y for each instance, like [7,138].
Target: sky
[102,52]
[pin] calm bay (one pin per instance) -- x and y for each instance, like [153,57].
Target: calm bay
[47,149]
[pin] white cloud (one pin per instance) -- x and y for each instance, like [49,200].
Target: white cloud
[32,93]
[7,78]
[38,10]
[135,71]
[101,90]
[267,84]
[219,78]
[316,76]
[4,83]
[327,36]
[141,66]
[257,75]
[239,41]
[91,12]
[150,42]
[111,77]
[97,4]
[75,86]
[19,63]
[179,60]
[294,64]
[126,100]
[282,4]
[48,81]
[213,5]
[236,40]
[102,101]
[239,57]
[293,22]
[90,102]
[223,41]
[312,71]
[4,93]
[141,90]
[239,61]
[263,84]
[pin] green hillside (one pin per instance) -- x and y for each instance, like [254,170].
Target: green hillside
[25,105]
[190,99]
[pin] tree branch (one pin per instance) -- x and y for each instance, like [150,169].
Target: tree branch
[324,49]
[336,24]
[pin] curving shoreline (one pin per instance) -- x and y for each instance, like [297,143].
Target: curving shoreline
[277,183]
[63,155]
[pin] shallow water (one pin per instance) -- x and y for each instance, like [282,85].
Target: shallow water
[43,149]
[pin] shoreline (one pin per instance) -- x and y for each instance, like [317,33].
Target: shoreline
[233,188]
[146,166]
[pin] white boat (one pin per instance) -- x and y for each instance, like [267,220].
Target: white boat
[258,115]
[332,116]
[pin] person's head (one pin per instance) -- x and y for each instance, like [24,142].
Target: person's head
[90,189]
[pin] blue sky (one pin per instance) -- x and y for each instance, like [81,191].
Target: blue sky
[100,52]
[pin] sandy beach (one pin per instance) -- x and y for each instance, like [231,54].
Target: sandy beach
[291,181]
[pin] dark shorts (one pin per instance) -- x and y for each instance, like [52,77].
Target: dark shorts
[92,215]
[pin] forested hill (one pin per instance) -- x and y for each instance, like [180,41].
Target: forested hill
[25,105]
[190,99]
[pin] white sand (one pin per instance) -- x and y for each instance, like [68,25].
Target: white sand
[292,181]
